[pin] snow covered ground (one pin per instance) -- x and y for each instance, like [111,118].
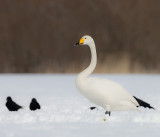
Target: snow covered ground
[65,112]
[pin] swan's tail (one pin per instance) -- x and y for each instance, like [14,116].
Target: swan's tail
[143,104]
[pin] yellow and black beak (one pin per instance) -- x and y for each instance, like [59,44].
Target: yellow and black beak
[80,42]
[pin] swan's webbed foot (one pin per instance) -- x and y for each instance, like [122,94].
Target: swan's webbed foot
[91,108]
[108,112]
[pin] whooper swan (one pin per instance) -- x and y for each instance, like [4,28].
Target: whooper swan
[105,93]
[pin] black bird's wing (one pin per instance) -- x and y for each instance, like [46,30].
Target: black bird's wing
[16,106]
[38,106]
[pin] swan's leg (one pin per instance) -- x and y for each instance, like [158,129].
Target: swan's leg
[91,108]
[108,112]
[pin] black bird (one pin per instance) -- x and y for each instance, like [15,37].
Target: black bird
[34,105]
[11,105]
[143,104]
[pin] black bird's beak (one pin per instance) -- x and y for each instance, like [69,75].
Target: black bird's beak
[76,44]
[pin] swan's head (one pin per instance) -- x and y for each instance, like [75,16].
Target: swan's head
[85,40]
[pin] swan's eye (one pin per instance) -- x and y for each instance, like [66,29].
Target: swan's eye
[85,38]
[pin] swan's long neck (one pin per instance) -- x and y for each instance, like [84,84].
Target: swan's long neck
[93,62]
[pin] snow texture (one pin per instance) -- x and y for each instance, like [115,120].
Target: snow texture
[65,112]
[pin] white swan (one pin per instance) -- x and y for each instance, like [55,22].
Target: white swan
[105,93]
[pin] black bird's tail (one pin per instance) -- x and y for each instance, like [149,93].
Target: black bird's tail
[143,104]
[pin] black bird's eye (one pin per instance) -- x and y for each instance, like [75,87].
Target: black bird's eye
[85,38]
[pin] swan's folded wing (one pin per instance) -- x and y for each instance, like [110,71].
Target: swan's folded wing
[108,91]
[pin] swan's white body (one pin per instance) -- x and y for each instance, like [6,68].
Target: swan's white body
[105,93]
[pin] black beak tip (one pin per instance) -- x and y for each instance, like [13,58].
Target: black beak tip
[76,44]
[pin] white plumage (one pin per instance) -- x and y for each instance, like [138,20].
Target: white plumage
[105,93]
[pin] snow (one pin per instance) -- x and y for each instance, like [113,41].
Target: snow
[65,112]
